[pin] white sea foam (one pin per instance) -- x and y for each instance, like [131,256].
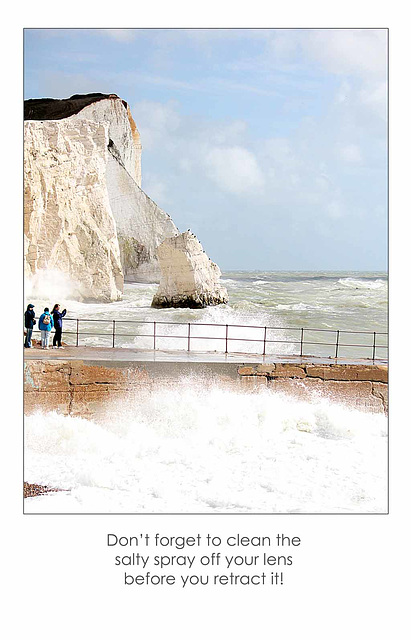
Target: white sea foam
[353,283]
[192,447]
[300,306]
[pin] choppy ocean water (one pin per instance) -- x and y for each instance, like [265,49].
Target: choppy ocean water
[195,448]
[284,302]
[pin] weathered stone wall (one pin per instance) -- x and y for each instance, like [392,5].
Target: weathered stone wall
[76,388]
[359,386]
[79,388]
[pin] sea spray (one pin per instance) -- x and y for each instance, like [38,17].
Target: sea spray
[49,284]
[195,447]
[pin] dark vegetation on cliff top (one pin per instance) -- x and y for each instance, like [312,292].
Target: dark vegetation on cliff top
[54,109]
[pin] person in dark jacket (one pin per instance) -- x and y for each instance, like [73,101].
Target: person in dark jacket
[58,325]
[45,326]
[29,322]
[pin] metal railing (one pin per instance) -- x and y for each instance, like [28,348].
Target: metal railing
[371,340]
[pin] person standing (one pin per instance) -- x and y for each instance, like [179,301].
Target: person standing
[45,326]
[58,325]
[29,322]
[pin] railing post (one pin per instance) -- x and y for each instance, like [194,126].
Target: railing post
[226,338]
[154,336]
[301,342]
[265,337]
[336,344]
[373,347]
[114,331]
[77,333]
[188,336]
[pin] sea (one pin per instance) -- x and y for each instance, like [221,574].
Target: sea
[199,448]
[274,305]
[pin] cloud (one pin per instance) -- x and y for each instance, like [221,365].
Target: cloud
[361,55]
[334,210]
[156,188]
[63,85]
[279,151]
[157,121]
[304,172]
[120,35]
[375,97]
[234,169]
[351,153]
[359,52]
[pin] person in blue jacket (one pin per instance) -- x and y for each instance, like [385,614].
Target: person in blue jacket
[29,322]
[45,325]
[58,324]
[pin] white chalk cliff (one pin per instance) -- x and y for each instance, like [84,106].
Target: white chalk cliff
[188,277]
[85,211]
[68,222]
[141,225]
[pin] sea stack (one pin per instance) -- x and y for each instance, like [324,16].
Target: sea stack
[188,277]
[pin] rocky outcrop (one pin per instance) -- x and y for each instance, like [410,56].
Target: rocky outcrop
[85,211]
[68,222]
[188,277]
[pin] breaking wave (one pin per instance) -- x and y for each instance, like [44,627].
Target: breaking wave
[197,447]
[352,283]
[49,284]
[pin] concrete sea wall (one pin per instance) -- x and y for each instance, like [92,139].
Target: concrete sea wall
[87,388]
[357,385]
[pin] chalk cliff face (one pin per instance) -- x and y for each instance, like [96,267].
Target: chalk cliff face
[188,277]
[141,225]
[85,212]
[68,222]
[124,138]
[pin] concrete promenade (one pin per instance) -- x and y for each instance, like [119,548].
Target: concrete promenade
[137,355]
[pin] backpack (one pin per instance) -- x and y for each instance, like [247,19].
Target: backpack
[46,319]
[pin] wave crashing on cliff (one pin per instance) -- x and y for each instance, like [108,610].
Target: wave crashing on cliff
[50,284]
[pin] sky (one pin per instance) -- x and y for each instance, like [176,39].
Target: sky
[269,144]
